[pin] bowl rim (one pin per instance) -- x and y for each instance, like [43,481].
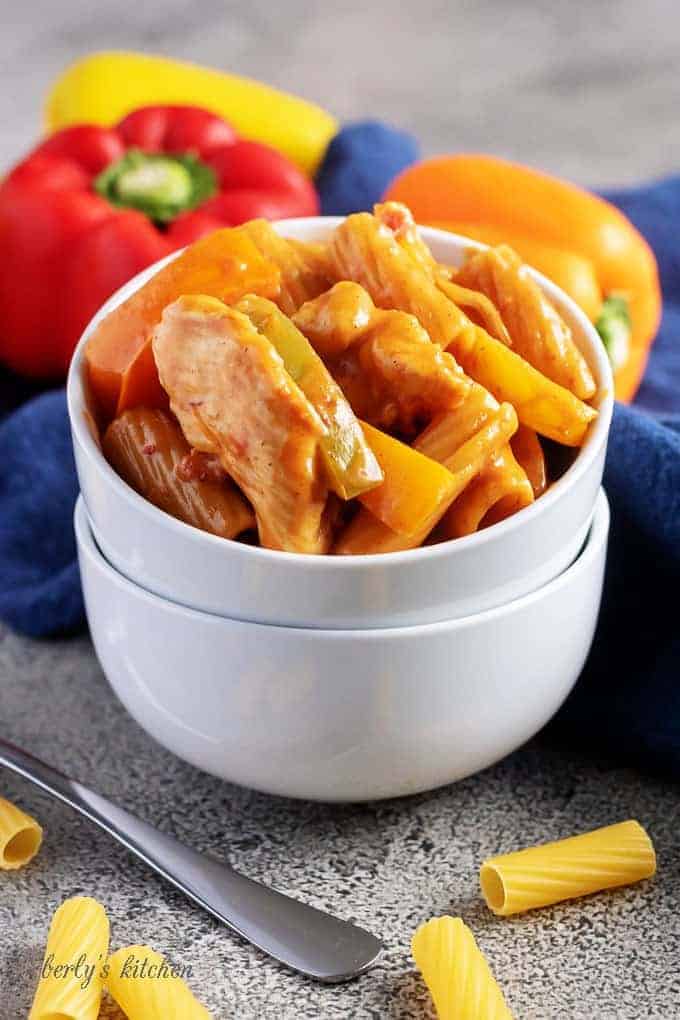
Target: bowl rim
[79,415]
[595,540]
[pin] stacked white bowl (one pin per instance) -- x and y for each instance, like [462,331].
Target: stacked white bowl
[343,678]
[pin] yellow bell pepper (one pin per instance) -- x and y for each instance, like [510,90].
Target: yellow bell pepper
[416,489]
[103,87]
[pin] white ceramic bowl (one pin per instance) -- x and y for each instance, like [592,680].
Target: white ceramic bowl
[424,585]
[343,715]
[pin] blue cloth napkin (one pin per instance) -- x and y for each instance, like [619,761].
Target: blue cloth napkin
[628,698]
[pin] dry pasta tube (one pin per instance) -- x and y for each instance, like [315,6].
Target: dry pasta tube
[456,972]
[20,837]
[603,859]
[147,987]
[71,982]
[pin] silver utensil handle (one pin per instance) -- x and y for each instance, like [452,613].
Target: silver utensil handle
[302,937]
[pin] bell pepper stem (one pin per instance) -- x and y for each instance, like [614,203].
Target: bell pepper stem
[158,185]
[614,326]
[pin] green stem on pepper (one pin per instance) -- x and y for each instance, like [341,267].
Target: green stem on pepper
[157,185]
[614,326]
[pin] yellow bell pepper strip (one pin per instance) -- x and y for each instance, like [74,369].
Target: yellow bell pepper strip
[351,465]
[101,88]
[523,202]
[416,489]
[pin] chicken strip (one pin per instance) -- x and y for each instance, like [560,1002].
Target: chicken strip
[233,397]
[391,373]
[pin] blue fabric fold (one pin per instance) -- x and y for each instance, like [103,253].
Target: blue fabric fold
[628,697]
[40,593]
[359,163]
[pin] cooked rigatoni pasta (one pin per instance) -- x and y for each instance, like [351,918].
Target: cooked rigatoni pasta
[366,251]
[369,533]
[304,269]
[20,836]
[148,449]
[539,876]
[536,330]
[456,972]
[398,218]
[478,308]
[499,487]
[528,451]
[499,490]
[71,981]
[278,391]
[147,987]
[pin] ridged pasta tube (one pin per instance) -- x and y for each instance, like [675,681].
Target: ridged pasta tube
[20,836]
[71,981]
[456,972]
[147,987]
[538,333]
[368,252]
[541,875]
[304,269]
[500,490]
[147,449]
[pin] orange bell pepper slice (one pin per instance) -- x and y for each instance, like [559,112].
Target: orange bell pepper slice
[121,369]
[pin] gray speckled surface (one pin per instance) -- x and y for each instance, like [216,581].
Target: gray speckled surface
[588,89]
[389,865]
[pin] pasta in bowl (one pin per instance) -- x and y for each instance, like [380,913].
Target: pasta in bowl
[362,423]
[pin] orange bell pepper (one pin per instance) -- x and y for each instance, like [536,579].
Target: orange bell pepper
[121,369]
[558,228]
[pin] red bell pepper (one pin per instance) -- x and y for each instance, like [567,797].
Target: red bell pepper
[92,206]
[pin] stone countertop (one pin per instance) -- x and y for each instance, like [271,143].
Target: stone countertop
[587,90]
[390,865]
